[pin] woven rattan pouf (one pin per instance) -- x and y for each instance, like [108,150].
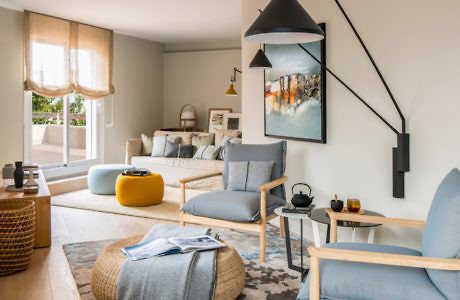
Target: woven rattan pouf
[230,279]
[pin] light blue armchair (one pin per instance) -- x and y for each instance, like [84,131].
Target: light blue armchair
[367,271]
[243,209]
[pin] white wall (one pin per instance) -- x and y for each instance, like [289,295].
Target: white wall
[199,78]
[137,77]
[416,45]
[11,86]
[137,102]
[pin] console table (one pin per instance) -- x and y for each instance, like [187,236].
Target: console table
[42,201]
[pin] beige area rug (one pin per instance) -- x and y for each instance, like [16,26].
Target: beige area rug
[168,210]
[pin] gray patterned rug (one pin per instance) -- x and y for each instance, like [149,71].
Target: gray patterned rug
[271,280]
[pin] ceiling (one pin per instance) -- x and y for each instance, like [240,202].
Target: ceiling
[165,21]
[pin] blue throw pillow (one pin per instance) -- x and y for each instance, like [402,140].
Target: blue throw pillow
[248,176]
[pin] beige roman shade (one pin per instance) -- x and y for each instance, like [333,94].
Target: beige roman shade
[63,56]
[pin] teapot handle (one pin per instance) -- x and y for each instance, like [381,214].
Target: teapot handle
[300,183]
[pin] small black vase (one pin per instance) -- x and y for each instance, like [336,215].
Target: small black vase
[18,175]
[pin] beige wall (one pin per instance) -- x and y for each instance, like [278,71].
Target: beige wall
[415,43]
[11,88]
[136,103]
[199,78]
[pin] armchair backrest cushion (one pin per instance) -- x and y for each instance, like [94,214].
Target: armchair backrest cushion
[441,237]
[262,152]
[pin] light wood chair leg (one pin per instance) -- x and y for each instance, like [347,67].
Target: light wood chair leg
[314,279]
[263,225]
[262,243]
[181,203]
[282,228]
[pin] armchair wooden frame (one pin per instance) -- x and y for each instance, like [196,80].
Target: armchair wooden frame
[259,226]
[371,257]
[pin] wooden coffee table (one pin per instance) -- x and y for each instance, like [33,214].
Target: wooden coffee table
[42,210]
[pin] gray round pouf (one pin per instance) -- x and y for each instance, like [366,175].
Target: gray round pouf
[102,178]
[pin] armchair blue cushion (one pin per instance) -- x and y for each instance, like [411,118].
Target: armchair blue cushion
[441,237]
[230,205]
[265,152]
[341,280]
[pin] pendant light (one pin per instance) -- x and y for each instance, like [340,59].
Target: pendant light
[284,22]
[260,61]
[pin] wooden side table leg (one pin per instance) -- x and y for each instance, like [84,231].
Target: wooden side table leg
[316,237]
[370,237]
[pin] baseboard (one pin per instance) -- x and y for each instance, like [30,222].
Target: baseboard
[67,185]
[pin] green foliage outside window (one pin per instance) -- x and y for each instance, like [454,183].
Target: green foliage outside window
[42,104]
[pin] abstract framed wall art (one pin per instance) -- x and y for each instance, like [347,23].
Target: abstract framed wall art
[295,92]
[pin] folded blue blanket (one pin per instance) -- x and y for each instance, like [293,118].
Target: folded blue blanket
[186,276]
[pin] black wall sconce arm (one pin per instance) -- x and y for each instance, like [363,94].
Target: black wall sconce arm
[401,153]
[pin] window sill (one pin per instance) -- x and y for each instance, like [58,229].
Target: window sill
[74,170]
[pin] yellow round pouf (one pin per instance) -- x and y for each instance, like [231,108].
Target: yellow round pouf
[140,190]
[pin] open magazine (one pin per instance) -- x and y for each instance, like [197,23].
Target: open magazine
[160,247]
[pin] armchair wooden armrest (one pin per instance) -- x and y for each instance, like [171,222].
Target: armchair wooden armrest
[334,216]
[447,264]
[372,258]
[199,177]
[273,184]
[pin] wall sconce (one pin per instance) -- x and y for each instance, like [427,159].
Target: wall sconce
[231,90]
[287,22]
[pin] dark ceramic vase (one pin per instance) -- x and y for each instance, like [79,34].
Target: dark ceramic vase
[337,205]
[18,175]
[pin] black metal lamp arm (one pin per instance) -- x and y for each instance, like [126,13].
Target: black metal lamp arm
[233,79]
[403,119]
[350,89]
[401,153]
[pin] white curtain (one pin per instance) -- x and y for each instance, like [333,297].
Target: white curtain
[63,56]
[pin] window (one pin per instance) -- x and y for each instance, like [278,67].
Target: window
[66,64]
[62,132]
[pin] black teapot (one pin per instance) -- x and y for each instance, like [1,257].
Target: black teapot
[301,200]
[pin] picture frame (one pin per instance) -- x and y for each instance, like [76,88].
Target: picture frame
[295,92]
[232,121]
[216,118]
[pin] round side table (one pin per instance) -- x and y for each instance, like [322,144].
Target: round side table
[320,215]
[294,216]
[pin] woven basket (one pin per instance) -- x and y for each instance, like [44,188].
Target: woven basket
[17,228]
[230,273]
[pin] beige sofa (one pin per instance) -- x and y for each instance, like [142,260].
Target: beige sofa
[172,169]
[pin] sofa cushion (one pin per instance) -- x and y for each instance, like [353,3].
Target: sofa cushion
[230,205]
[264,152]
[186,137]
[441,237]
[207,152]
[204,139]
[171,149]
[147,144]
[222,133]
[185,151]
[348,280]
[159,144]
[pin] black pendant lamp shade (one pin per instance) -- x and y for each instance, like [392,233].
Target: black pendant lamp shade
[284,22]
[260,61]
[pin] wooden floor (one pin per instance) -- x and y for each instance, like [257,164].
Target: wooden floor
[49,276]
